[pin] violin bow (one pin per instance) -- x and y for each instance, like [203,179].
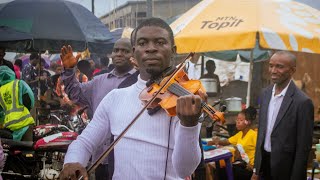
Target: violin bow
[111,147]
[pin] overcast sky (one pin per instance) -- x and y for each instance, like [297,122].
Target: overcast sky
[101,6]
[104,6]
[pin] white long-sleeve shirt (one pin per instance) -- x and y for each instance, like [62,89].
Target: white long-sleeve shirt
[273,110]
[142,153]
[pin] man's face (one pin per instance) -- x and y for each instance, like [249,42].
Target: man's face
[211,68]
[121,54]
[2,54]
[281,68]
[153,49]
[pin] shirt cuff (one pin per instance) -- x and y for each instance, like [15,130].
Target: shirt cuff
[189,129]
[67,73]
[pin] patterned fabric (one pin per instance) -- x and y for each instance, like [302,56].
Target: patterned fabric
[28,72]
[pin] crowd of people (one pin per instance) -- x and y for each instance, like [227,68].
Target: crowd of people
[157,146]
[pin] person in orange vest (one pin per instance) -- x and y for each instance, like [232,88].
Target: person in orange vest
[16,100]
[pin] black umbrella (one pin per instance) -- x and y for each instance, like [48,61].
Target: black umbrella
[14,40]
[54,23]
[10,34]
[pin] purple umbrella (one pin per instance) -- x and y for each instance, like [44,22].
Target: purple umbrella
[25,60]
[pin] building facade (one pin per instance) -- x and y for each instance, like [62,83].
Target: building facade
[133,12]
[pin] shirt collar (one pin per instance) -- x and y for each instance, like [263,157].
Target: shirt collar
[113,73]
[141,84]
[283,92]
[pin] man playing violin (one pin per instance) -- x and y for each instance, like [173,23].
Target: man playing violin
[157,146]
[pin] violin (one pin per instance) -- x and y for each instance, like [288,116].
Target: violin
[176,86]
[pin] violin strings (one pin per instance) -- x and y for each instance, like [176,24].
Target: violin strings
[180,91]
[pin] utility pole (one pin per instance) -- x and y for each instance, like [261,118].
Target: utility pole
[149,8]
[92,6]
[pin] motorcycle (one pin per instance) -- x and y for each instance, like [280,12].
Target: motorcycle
[60,122]
[42,159]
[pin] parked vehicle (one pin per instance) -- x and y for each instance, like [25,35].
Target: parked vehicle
[42,159]
[60,121]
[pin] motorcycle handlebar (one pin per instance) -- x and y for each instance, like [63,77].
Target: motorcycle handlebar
[80,111]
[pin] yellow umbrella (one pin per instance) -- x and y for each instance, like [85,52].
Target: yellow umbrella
[121,33]
[126,33]
[218,25]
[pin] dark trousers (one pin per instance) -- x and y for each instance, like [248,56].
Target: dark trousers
[241,173]
[105,171]
[102,172]
[266,166]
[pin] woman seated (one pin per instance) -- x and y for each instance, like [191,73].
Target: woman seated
[245,143]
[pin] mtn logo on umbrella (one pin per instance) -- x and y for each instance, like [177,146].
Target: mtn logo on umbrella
[221,22]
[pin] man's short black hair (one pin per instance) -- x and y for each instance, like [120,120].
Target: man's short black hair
[211,62]
[291,56]
[83,66]
[133,37]
[157,22]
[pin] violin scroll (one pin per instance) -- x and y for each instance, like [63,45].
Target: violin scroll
[214,114]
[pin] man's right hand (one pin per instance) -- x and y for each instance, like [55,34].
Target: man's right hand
[67,58]
[254,176]
[73,171]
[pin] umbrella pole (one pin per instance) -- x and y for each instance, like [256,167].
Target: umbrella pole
[202,65]
[39,74]
[250,79]
[37,99]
